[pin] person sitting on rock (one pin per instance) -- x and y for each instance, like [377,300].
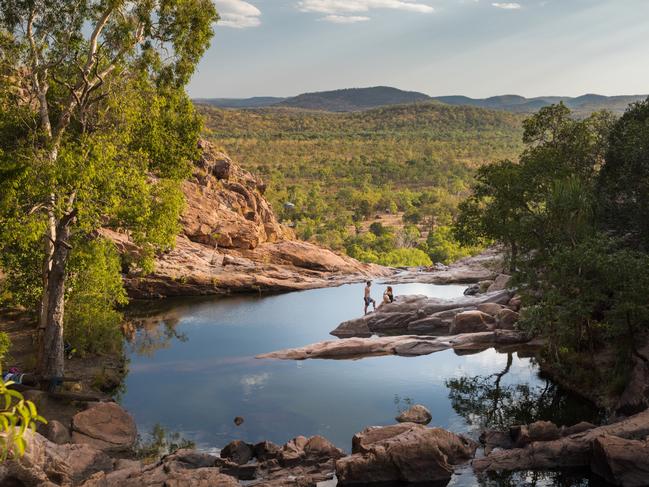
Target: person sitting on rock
[388,296]
[368,299]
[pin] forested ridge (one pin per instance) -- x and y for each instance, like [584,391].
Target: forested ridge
[330,175]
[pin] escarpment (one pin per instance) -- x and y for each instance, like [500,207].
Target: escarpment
[232,242]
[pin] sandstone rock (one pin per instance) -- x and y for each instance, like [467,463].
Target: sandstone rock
[47,464]
[416,311]
[56,432]
[416,414]
[238,452]
[577,428]
[404,345]
[490,308]
[227,222]
[515,302]
[483,286]
[500,283]
[492,439]
[105,426]
[471,322]
[472,290]
[266,450]
[574,451]
[406,452]
[621,461]
[506,319]
[465,271]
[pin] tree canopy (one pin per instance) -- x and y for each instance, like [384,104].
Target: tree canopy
[97,132]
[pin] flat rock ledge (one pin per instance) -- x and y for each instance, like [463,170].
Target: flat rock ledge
[418,314]
[618,452]
[404,345]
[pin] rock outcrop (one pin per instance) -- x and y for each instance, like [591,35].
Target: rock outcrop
[232,242]
[406,452]
[483,267]
[403,345]
[104,426]
[418,314]
[416,414]
[617,452]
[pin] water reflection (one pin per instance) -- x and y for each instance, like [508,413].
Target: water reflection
[485,401]
[192,370]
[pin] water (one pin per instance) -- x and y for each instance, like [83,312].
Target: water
[192,370]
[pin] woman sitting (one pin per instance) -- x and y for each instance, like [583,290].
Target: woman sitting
[388,296]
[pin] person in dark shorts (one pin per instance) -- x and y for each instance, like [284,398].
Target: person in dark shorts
[367,299]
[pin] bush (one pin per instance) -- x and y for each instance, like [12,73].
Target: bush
[92,323]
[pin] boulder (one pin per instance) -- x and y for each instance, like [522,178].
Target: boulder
[416,414]
[105,426]
[492,439]
[471,322]
[266,450]
[490,308]
[415,313]
[238,451]
[500,283]
[506,319]
[406,452]
[620,461]
[516,302]
[56,432]
[577,428]
[472,290]
[48,464]
[573,451]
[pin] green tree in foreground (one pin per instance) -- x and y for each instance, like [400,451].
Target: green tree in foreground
[96,132]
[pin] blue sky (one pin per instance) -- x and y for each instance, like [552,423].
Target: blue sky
[476,48]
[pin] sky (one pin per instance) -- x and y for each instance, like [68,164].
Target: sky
[477,48]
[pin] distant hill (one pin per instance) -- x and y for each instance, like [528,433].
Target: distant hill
[254,102]
[582,105]
[354,99]
[359,99]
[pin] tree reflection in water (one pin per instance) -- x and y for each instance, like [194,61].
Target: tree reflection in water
[487,402]
[153,334]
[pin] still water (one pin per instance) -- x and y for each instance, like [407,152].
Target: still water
[192,370]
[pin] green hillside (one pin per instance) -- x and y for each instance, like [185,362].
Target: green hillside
[408,164]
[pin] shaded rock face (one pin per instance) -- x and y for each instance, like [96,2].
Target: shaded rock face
[105,426]
[618,452]
[500,283]
[635,397]
[620,461]
[471,322]
[406,452]
[238,452]
[232,242]
[300,462]
[416,414]
[419,314]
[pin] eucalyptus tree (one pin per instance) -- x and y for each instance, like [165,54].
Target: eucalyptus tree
[96,132]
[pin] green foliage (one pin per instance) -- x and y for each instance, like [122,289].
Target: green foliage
[5,344]
[623,183]
[577,184]
[342,169]
[92,324]
[97,132]
[442,246]
[16,416]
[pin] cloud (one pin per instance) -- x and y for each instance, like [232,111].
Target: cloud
[344,19]
[343,7]
[507,6]
[237,14]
